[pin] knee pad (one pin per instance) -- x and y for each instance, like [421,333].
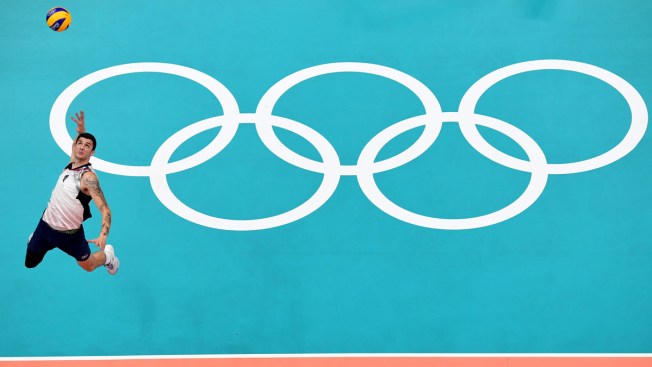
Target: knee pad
[32,259]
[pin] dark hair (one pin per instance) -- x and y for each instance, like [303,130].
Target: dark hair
[89,137]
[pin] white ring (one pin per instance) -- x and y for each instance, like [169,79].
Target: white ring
[271,97]
[529,196]
[365,168]
[229,105]
[631,95]
[158,177]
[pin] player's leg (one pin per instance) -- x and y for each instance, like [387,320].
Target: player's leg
[77,246]
[99,258]
[38,244]
[33,258]
[93,262]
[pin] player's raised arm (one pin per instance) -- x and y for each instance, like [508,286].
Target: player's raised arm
[79,119]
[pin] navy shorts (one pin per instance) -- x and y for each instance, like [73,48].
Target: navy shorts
[45,239]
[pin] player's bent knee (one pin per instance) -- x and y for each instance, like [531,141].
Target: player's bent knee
[33,259]
[87,265]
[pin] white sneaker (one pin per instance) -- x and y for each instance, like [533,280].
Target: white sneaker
[114,263]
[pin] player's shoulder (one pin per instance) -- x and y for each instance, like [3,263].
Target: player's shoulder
[89,176]
[87,169]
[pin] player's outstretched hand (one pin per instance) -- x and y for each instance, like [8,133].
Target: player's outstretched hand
[80,121]
[99,242]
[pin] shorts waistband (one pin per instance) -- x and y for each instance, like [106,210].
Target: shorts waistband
[67,231]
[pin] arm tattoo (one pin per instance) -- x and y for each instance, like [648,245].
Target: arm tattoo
[106,223]
[94,188]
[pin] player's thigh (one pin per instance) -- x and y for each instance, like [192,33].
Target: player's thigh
[75,245]
[38,244]
[42,239]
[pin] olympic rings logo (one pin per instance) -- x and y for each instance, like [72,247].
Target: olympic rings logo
[432,120]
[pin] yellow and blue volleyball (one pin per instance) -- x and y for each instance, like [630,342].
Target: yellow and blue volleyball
[58,19]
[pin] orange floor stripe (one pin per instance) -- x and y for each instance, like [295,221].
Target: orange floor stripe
[349,362]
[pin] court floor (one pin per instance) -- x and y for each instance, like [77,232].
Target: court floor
[354,182]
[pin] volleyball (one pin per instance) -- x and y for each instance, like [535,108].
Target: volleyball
[58,19]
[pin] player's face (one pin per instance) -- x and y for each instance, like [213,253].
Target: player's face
[84,149]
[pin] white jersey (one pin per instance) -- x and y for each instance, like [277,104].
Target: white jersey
[68,205]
